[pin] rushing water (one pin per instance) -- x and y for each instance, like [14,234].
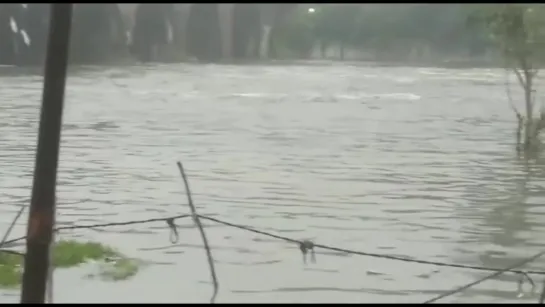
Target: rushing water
[414,162]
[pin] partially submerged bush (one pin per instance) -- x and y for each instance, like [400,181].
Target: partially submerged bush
[518,30]
[69,253]
[11,269]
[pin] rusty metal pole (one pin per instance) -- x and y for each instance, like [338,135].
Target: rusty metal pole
[42,204]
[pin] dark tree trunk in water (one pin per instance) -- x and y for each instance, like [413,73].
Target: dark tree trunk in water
[117,26]
[37,24]
[95,33]
[9,47]
[150,30]
[246,25]
[204,36]
[323,49]
[22,41]
[529,129]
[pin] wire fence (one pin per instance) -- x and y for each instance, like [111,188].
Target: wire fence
[306,247]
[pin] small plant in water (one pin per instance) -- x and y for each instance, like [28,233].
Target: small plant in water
[69,253]
[11,270]
[117,269]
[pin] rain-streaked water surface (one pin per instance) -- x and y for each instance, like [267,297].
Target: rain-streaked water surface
[414,162]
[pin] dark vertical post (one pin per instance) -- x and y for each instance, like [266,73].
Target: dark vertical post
[42,204]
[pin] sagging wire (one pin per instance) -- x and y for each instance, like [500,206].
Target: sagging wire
[367,254]
[10,228]
[105,225]
[305,246]
[308,247]
[474,283]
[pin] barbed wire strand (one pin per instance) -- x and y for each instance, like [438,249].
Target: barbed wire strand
[304,245]
[49,297]
[197,221]
[8,232]
[13,222]
[474,283]
[271,235]
[105,225]
[367,254]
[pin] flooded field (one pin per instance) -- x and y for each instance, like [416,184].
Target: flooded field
[415,162]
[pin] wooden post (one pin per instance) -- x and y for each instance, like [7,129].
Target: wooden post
[42,204]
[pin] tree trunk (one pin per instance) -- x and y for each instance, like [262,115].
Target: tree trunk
[322,49]
[265,41]
[529,127]
[225,14]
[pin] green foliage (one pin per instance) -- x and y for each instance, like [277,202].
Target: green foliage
[295,37]
[454,28]
[387,28]
[10,270]
[517,29]
[71,253]
[337,23]
[113,265]
[442,28]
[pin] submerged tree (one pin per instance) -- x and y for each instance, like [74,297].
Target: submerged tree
[518,30]
[294,37]
[337,25]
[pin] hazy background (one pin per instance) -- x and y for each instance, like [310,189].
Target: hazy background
[401,159]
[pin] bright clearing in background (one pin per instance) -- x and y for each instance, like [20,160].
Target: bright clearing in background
[311,10]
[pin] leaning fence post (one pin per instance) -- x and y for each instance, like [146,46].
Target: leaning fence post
[42,204]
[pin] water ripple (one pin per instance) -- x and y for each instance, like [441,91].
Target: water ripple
[408,161]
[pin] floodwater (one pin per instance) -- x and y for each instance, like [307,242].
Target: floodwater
[415,162]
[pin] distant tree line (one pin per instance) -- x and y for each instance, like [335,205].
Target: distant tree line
[373,31]
[384,30]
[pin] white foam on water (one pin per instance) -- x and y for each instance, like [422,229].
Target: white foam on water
[396,96]
[13,25]
[405,80]
[400,96]
[26,39]
[251,94]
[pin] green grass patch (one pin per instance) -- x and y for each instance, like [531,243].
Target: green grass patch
[71,253]
[11,269]
[113,265]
